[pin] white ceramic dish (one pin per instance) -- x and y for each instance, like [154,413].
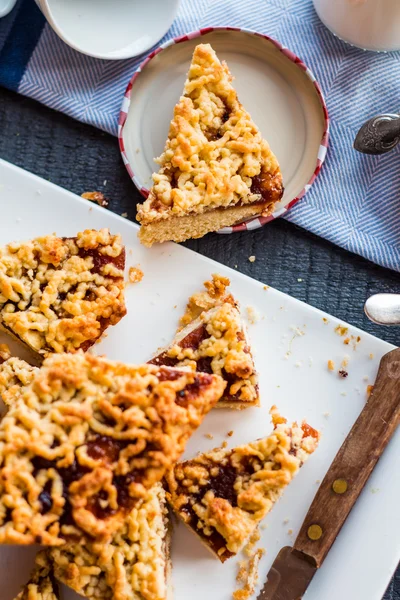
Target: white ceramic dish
[368,548]
[110,30]
[6,6]
[274,85]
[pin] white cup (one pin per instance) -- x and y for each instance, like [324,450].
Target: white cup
[111,29]
[369,24]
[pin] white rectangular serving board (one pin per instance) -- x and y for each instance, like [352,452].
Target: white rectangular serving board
[293,375]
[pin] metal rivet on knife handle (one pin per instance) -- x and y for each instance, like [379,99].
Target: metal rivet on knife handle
[339,486]
[314,532]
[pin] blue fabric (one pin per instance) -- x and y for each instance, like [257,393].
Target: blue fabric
[19,34]
[355,201]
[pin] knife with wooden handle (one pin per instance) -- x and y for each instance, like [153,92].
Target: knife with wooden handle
[294,567]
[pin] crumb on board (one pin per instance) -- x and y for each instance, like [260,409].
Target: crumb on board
[331,365]
[253,539]
[374,490]
[325,320]
[290,532]
[137,150]
[298,364]
[317,481]
[224,444]
[97,197]
[343,393]
[371,356]
[369,390]
[125,214]
[286,521]
[230,433]
[326,415]
[346,341]
[265,287]
[209,436]
[175,305]
[5,353]
[135,274]
[345,361]
[252,315]
[252,258]
[341,330]
[365,378]
[248,576]
[130,251]
[342,373]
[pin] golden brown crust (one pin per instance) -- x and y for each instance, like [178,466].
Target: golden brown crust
[215,156]
[179,229]
[215,341]
[134,566]
[41,585]
[222,495]
[14,374]
[60,294]
[86,438]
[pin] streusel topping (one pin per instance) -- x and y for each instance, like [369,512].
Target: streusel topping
[216,343]
[133,566]
[60,294]
[215,155]
[86,438]
[215,293]
[224,494]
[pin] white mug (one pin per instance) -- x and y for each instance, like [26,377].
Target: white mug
[111,29]
[369,24]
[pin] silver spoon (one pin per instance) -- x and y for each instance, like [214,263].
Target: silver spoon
[383,309]
[378,135]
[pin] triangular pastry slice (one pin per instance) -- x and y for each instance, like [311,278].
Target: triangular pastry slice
[216,169]
[60,294]
[214,340]
[223,495]
[85,438]
[135,565]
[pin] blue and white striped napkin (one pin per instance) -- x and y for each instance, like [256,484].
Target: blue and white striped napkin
[355,201]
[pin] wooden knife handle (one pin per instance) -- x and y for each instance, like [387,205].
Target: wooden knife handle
[353,463]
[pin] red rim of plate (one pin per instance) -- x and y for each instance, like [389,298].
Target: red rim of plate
[253,223]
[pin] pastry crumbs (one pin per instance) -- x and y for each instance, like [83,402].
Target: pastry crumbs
[325,320]
[341,330]
[369,390]
[248,575]
[209,436]
[331,365]
[230,433]
[135,274]
[97,197]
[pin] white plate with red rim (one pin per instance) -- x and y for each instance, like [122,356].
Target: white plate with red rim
[293,375]
[273,84]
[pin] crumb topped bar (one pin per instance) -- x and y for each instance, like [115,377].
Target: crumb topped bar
[133,566]
[215,341]
[222,495]
[60,294]
[86,438]
[216,169]
[41,585]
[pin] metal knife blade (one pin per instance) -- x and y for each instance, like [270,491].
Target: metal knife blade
[289,576]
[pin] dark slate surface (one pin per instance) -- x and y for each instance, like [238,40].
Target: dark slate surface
[80,158]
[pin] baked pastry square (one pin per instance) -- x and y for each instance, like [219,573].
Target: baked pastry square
[216,342]
[41,585]
[60,294]
[222,495]
[86,438]
[216,168]
[133,566]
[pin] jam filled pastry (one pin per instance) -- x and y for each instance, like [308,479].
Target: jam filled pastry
[222,495]
[216,169]
[41,585]
[60,294]
[135,565]
[215,341]
[85,439]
